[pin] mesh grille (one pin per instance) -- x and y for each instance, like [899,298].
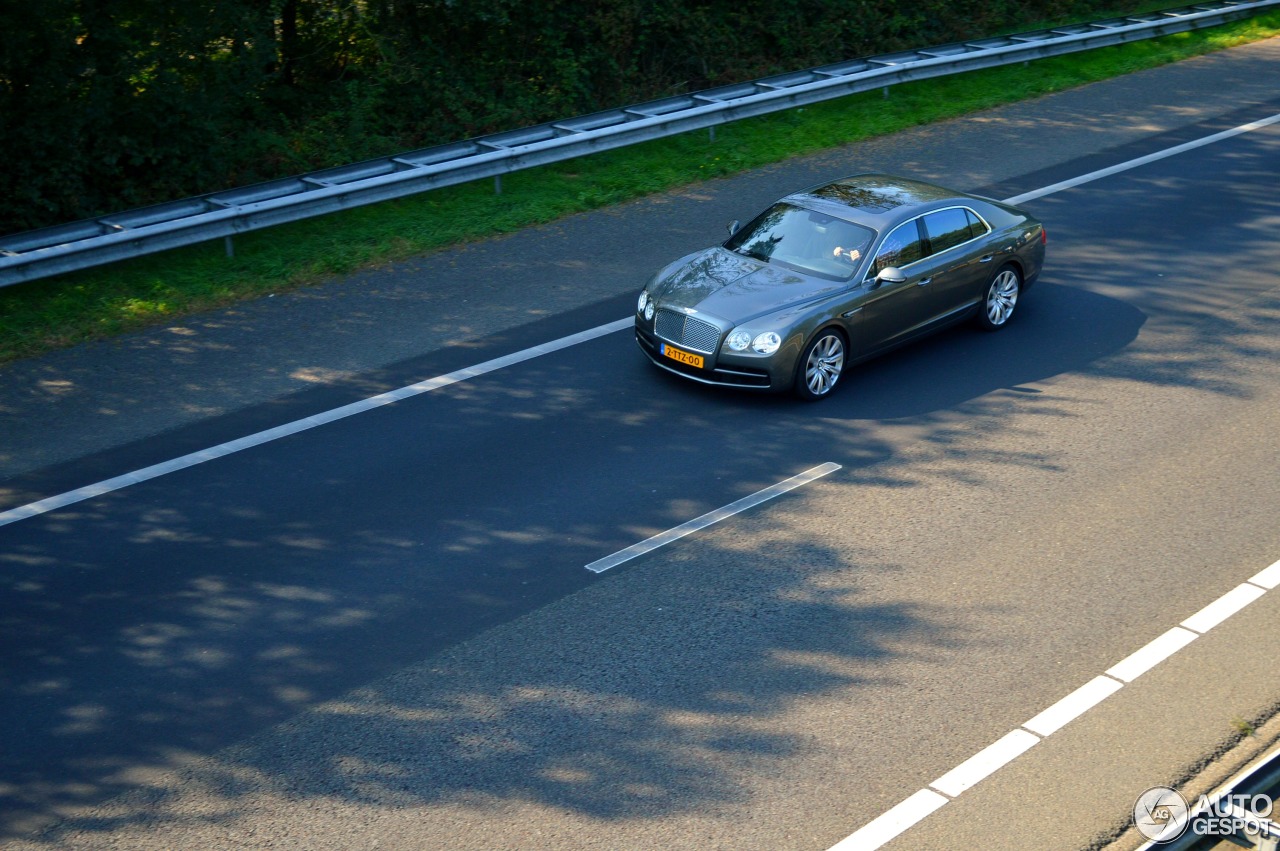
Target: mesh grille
[687,331]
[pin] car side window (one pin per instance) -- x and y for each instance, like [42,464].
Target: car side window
[949,228]
[902,246]
[976,225]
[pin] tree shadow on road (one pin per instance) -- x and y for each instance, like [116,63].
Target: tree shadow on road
[261,604]
[155,625]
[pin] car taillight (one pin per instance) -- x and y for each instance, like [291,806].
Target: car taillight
[1044,236]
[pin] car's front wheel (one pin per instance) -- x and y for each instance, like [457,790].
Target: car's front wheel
[821,366]
[999,299]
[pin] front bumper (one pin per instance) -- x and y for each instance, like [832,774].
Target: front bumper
[718,371]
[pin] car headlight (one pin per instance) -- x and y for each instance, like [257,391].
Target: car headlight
[648,310]
[643,302]
[766,343]
[741,340]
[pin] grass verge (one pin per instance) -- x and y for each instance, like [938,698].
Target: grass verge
[98,303]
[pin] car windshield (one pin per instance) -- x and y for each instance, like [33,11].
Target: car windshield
[804,240]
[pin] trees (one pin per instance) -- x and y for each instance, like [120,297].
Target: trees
[107,104]
[112,104]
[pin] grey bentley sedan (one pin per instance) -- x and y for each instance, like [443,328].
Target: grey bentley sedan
[834,275]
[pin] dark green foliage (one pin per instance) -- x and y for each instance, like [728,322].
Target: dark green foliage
[111,104]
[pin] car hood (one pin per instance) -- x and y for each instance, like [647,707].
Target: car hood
[735,288]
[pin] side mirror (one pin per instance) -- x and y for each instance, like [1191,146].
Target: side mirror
[890,275]
[733,227]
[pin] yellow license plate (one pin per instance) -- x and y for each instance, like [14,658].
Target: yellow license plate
[683,357]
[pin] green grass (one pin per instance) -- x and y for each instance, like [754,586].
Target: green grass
[98,303]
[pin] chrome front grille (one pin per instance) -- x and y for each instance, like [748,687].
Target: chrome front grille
[687,331]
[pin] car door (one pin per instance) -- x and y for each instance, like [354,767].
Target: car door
[894,311]
[959,259]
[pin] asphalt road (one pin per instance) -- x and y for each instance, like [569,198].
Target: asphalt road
[380,632]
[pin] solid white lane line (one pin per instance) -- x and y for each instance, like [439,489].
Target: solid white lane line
[664,538]
[985,762]
[1268,578]
[1141,161]
[1153,654]
[871,836]
[61,500]
[1223,607]
[1073,705]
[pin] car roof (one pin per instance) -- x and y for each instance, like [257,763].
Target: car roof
[877,200]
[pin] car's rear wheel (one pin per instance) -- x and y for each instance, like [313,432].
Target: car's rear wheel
[1000,299]
[821,366]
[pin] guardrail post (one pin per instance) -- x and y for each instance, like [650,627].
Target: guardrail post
[230,246]
[497,185]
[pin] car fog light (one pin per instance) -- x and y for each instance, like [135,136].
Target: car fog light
[766,343]
[738,341]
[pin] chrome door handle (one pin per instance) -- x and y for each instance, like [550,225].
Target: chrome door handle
[924,281]
[987,259]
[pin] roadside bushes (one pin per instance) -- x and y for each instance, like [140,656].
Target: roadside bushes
[112,104]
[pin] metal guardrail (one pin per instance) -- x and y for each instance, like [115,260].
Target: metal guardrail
[80,245]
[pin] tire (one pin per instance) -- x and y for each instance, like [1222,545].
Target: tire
[999,299]
[821,365]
